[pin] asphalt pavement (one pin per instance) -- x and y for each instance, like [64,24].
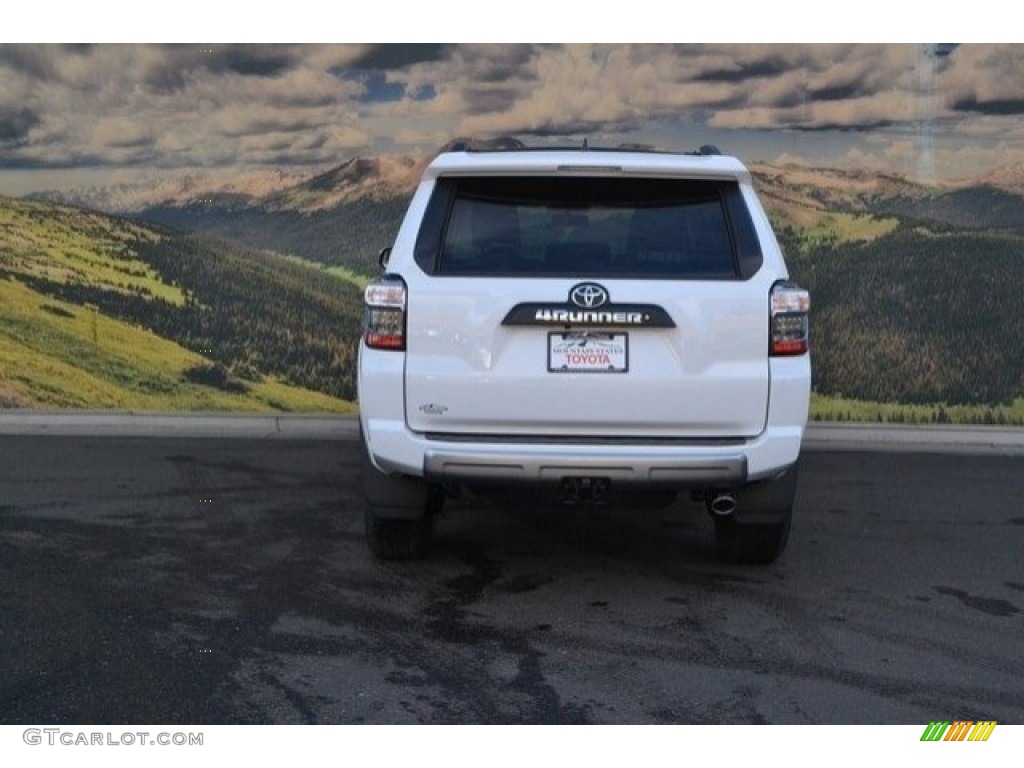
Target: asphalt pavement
[188,580]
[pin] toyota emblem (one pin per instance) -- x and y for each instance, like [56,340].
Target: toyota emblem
[588,296]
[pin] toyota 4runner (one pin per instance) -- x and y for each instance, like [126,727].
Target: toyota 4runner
[585,322]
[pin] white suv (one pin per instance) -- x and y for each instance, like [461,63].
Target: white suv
[590,323]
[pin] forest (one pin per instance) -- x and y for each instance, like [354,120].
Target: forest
[921,315]
[250,313]
[930,312]
[349,236]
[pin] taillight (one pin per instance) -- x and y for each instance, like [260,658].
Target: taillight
[384,314]
[789,321]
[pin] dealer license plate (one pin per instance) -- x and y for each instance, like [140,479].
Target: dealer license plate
[588,352]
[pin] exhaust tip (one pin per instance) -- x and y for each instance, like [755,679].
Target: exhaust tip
[722,505]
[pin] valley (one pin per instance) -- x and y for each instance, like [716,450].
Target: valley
[917,311]
[98,311]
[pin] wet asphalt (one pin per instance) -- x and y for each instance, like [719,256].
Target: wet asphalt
[201,581]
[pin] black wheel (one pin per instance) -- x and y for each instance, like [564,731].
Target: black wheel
[396,539]
[751,543]
[399,516]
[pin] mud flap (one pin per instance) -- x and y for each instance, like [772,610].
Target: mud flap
[767,502]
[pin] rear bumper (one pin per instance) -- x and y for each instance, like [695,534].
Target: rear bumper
[542,464]
[393,448]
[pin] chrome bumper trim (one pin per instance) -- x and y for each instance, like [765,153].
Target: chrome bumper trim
[514,465]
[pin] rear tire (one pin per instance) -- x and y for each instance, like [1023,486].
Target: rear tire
[399,516]
[391,539]
[758,531]
[751,543]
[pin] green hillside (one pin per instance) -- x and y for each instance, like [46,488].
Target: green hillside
[348,236]
[918,294]
[918,312]
[978,207]
[917,316]
[97,312]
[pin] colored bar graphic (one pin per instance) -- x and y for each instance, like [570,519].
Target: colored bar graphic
[935,730]
[982,730]
[959,730]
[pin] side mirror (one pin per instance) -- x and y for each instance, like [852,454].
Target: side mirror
[383,257]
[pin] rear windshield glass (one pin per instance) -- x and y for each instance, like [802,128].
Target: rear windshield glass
[573,226]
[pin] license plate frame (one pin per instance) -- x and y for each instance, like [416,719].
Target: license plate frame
[588,352]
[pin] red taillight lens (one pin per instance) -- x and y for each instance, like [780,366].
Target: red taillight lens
[384,314]
[790,326]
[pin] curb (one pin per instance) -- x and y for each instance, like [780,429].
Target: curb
[960,439]
[820,436]
[160,425]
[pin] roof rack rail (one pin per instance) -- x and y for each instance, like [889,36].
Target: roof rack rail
[510,143]
[469,144]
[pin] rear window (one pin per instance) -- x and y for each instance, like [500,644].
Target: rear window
[537,226]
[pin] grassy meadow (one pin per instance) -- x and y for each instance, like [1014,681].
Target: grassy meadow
[59,355]
[56,353]
[914,321]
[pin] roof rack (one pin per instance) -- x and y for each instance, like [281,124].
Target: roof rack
[512,144]
[468,144]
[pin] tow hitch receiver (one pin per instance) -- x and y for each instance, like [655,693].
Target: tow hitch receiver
[585,490]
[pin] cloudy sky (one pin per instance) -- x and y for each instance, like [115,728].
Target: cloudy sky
[115,112]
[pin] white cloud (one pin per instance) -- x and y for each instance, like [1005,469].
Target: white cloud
[985,78]
[171,105]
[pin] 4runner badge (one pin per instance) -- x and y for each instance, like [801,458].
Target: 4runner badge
[572,313]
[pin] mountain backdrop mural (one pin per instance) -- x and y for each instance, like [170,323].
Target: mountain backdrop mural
[162,259]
